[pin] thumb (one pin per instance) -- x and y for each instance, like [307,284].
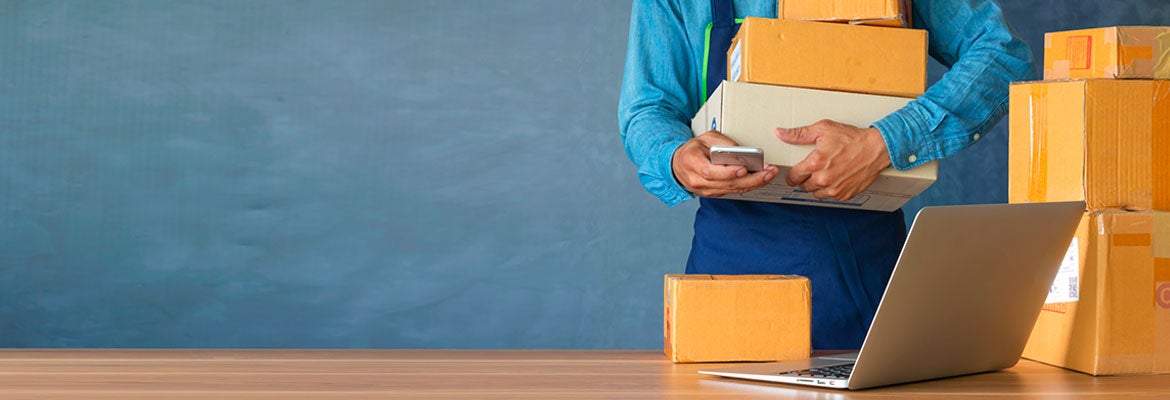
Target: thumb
[715,138]
[801,135]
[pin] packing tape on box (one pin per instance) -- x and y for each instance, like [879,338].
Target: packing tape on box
[1162,283]
[1135,61]
[1131,239]
[1161,237]
[1162,56]
[1161,249]
[1135,50]
[1160,146]
[1128,58]
[1111,36]
[1038,163]
[1160,245]
[1059,70]
[1136,37]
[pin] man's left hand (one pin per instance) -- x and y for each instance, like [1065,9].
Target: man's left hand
[846,160]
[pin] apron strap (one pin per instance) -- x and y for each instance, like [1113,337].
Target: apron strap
[719,34]
[722,13]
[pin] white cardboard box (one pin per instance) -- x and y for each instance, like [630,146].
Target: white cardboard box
[749,114]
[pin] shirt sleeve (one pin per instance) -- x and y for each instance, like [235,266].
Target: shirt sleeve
[984,55]
[659,94]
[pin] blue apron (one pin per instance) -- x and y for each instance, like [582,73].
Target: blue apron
[848,255]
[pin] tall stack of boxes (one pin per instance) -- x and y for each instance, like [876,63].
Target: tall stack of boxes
[786,73]
[795,71]
[1097,129]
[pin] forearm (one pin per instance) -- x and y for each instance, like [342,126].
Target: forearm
[659,95]
[650,140]
[985,57]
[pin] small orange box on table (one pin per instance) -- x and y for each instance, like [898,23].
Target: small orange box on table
[718,318]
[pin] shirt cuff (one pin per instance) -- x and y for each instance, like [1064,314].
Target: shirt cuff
[674,192]
[903,131]
[655,173]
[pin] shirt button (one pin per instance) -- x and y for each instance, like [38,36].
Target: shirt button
[976,137]
[913,158]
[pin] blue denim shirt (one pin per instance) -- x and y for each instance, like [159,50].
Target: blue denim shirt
[660,89]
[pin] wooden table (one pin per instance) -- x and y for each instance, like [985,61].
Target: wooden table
[466,374]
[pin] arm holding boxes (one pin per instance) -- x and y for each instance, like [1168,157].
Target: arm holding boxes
[663,65]
[657,105]
[973,39]
[654,109]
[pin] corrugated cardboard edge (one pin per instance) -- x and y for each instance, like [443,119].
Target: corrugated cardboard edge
[897,14]
[667,332]
[904,18]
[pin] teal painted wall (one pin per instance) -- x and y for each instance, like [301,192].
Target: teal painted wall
[391,174]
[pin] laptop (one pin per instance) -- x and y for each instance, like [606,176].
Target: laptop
[963,298]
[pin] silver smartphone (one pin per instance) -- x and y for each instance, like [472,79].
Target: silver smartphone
[750,157]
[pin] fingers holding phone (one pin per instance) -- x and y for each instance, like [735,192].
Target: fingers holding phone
[751,158]
[694,168]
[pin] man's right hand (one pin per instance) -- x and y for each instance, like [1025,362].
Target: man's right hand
[693,169]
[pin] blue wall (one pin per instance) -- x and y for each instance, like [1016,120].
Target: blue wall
[349,174]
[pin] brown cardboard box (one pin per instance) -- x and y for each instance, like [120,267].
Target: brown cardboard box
[749,113]
[895,13]
[1141,52]
[860,59]
[1103,141]
[713,318]
[1114,317]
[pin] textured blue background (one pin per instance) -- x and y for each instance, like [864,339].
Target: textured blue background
[393,174]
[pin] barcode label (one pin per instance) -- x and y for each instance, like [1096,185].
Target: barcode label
[735,63]
[1066,287]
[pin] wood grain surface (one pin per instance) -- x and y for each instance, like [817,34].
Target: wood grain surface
[473,374]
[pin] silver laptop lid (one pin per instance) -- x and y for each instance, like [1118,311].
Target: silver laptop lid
[966,291]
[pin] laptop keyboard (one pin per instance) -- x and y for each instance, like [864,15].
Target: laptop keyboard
[834,372]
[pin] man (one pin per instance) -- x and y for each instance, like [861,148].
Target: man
[848,254]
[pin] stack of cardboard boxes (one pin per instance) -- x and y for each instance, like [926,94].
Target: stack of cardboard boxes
[1084,133]
[793,71]
[786,73]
